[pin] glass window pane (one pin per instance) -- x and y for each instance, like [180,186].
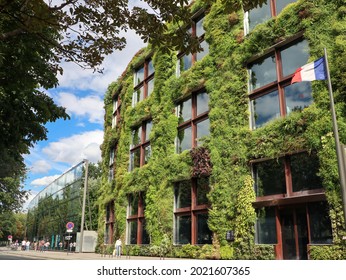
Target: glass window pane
[202,190]
[185,62]
[259,15]
[266,226]
[133,232]
[298,96]
[182,194]
[294,57]
[147,154]
[145,235]
[199,27]
[150,87]
[203,129]
[139,76]
[304,170]
[184,141]
[138,95]
[265,109]
[269,177]
[203,52]
[182,229]
[263,72]
[202,103]
[185,111]
[133,204]
[320,225]
[280,4]
[136,136]
[151,69]
[204,234]
[135,159]
[149,125]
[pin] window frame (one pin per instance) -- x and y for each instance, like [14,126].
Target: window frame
[193,121]
[116,109]
[192,211]
[279,84]
[148,77]
[109,223]
[141,146]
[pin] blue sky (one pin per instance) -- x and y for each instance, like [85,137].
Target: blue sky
[81,92]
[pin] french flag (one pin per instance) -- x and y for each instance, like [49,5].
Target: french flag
[310,72]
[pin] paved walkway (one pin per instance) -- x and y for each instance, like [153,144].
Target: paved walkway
[63,255]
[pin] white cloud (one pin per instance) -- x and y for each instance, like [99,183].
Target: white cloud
[89,106]
[74,149]
[40,166]
[32,194]
[44,181]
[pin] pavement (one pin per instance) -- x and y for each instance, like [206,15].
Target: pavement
[64,255]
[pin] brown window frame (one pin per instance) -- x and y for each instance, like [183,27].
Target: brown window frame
[116,111]
[109,222]
[195,119]
[138,217]
[193,210]
[148,77]
[144,143]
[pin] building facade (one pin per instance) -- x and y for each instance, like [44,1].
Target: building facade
[216,151]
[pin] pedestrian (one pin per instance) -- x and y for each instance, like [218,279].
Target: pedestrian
[47,244]
[60,245]
[27,245]
[23,245]
[118,245]
[74,246]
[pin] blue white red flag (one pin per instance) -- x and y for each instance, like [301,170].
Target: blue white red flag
[312,71]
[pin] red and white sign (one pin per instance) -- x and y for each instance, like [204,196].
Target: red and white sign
[70,226]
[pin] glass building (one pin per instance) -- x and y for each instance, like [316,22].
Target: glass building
[59,203]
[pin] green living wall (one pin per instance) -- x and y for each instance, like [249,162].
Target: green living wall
[231,144]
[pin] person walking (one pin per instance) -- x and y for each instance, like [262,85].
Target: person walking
[118,245]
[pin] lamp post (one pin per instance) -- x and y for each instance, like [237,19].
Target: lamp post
[83,206]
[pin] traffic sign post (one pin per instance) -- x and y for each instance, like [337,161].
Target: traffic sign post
[69,229]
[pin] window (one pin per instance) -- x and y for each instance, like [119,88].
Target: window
[111,163]
[191,212]
[116,110]
[109,223]
[287,176]
[193,121]
[261,14]
[266,226]
[185,61]
[143,82]
[271,93]
[140,150]
[136,229]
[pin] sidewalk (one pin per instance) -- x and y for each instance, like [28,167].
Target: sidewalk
[63,255]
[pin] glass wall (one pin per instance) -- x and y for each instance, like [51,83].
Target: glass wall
[55,206]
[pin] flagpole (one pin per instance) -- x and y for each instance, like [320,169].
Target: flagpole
[339,152]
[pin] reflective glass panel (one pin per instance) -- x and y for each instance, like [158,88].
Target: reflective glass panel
[149,125]
[202,103]
[150,86]
[147,154]
[203,129]
[265,226]
[185,111]
[133,232]
[202,190]
[263,72]
[204,234]
[133,204]
[182,229]
[151,69]
[280,4]
[139,76]
[203,52]
[185,62]
[199,27]
[183,194]
[265,109]
[135,159]
[320,225]
[145,235]
[294,57]
[304,170]
[136,136]
[259,15]
[184,139]
[269,177]
[298,96]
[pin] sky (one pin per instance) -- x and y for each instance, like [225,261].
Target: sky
[81,92]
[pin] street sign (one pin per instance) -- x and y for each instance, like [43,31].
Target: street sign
[70,226]
[69,230]
[9,237]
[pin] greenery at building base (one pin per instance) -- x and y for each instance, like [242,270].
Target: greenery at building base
[231,144]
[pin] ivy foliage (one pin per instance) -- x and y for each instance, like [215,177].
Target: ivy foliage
[231,144]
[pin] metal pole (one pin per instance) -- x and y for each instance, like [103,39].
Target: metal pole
[83,206]
[339,152]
